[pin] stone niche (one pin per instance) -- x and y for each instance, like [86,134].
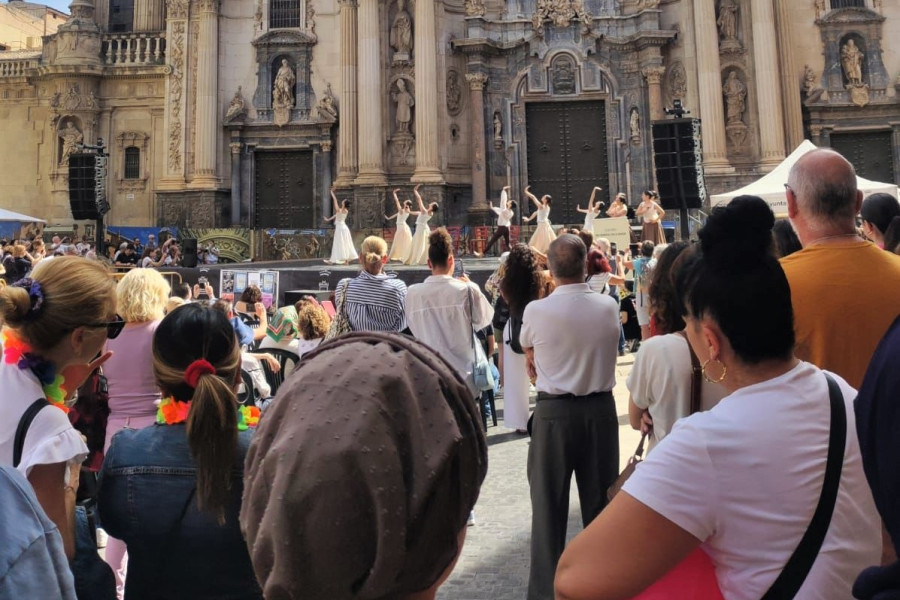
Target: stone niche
[271,48]
[864,27]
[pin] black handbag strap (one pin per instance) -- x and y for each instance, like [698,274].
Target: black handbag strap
[798,566]
[22,430]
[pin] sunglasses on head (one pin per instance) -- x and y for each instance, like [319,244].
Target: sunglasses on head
[113,328]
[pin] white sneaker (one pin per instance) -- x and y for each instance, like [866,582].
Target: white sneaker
[471,520]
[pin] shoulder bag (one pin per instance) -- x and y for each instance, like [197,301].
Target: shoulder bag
[340,324]
[481,368]
[638,456]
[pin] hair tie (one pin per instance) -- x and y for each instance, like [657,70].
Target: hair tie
[196,370]
[35,295]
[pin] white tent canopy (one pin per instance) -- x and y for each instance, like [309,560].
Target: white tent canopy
[8,215]
[771,187]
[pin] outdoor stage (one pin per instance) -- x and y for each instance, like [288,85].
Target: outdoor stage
[314,275]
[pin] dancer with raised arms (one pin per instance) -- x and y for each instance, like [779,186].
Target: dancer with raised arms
[592,211]
[504,211]
[543,235]
[418,254]
[402,244]
[342,250]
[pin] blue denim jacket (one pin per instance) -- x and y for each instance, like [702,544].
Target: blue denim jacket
[147,477]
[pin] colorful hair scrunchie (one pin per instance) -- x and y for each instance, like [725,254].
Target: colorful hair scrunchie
[196,370]
[35,294]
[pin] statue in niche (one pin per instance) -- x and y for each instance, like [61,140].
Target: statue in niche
[71,142]
[678,82]
[635,126]
[405,102]
[454,93]
[498,127]
[564,77]
[851,60]
[401,33]
[327,106]
[727,22]
[735,99]
[283,93]
[237,107]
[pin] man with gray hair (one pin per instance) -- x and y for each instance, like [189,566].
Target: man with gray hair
[844,289]
[570,340]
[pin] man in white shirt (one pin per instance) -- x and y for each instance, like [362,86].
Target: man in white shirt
[504,211]
[443,311]
[570,340]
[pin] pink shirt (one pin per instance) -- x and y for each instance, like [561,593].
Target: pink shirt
[132,388]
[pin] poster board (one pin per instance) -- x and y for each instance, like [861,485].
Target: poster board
[616,230]
[232,283]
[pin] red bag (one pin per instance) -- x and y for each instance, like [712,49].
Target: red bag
[693,579]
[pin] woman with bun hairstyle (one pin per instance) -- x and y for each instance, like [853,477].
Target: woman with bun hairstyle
[402,244]
[733,489]
[651,214]
[55,323]
[172,491]
[877,212]
[342,249]
[418,254]
[373,300]
[543,234]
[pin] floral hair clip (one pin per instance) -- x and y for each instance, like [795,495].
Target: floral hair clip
[35,293]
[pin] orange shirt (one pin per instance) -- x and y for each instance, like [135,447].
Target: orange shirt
[845,297]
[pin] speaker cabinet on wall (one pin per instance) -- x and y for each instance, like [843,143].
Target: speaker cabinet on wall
[82,186]
[189,253]
[678,155]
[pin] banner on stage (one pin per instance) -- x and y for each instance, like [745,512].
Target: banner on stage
[233,283]
[617,231]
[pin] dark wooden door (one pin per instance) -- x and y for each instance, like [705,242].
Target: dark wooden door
[871,153]
[284,190]
[567,154]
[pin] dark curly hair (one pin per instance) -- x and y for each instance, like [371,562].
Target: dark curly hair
[665,300]
[522,282]
[251,295]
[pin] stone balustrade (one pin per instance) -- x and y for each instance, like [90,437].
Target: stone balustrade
[18,67]
[134,49]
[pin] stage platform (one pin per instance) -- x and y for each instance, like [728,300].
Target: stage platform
[315,274]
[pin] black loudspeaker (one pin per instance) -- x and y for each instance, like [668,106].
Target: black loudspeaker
[678,155]
[189,253]
[82,186]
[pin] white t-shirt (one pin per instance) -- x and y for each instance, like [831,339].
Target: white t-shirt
[599,282]
[746,477]
[660,382]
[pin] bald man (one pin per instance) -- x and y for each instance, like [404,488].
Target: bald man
[844,289]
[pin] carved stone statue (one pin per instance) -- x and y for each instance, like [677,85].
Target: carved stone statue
[678,81]
[564,78]
[635,125]
[735,96]
[405,102]
[327,106]
[55,99]
[237,106]
[474,8]
[401,33]
[71,140]
[851,60]
[454,93]
[561,13]
[283,93]
[498,127]
[809,79]
[727,20]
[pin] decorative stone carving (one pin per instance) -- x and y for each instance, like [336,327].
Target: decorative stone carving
[237,109]
[454,94]
[563,76]
[283,93]
[811,86]
[634,123]
[859,94]
[327,106]
[72,99]
[677,81]
[852,61]
[177,9]
[728,26]
[71,142]
[820,8]
[735,99]
[561,13]
[476,81]
[405,102]
[402,34]
[258,18]
[310,17]
[176,90]
[498,130]
[474,8]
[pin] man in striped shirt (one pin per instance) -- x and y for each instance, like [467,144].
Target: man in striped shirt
[373,301]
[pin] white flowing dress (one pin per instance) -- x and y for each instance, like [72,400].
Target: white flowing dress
[589,220]
[402,243]
[342,249]
[543,235]
[418,254]
[516,386]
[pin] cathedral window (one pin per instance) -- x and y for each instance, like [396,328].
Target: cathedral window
[286,14]
[121,15]
[132,163]
[835,4]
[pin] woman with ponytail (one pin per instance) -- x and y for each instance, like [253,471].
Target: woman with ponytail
[172,491]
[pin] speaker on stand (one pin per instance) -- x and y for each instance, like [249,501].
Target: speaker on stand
[678,155]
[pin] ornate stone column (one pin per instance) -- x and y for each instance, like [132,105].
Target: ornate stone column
[479,207]
[176,94]
[235,146]
[427,163]
[207,109]
[768,84]
[371,123]
[149,15]
[348,157]
[712,109]
[654,77]
[793,111]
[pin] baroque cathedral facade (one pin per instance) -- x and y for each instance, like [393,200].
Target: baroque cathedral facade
[239,112]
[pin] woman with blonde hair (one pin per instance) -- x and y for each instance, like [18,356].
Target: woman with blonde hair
[142,296]
[54,325]
[373,300]
[172,491]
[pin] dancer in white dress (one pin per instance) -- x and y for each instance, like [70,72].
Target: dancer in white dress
[593,210]
[543,236]
[402,244]
[418,255]
[342,249]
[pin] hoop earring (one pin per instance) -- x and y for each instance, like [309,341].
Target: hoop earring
[706,375]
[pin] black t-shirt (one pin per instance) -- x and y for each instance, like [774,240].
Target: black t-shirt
[127,259]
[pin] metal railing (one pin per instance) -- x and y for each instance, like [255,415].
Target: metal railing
[134,49]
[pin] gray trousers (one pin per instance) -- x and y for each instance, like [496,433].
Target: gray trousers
[577,435]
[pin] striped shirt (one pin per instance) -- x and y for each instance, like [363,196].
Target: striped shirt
[374,302]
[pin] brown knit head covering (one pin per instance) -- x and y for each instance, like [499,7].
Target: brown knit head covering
[362,472]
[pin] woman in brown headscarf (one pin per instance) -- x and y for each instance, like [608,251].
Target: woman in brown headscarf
[361,477]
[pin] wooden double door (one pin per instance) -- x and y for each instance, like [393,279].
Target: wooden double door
[284,190]
[567,155]
[872,153]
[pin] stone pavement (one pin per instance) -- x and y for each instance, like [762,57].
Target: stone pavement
[495,560]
